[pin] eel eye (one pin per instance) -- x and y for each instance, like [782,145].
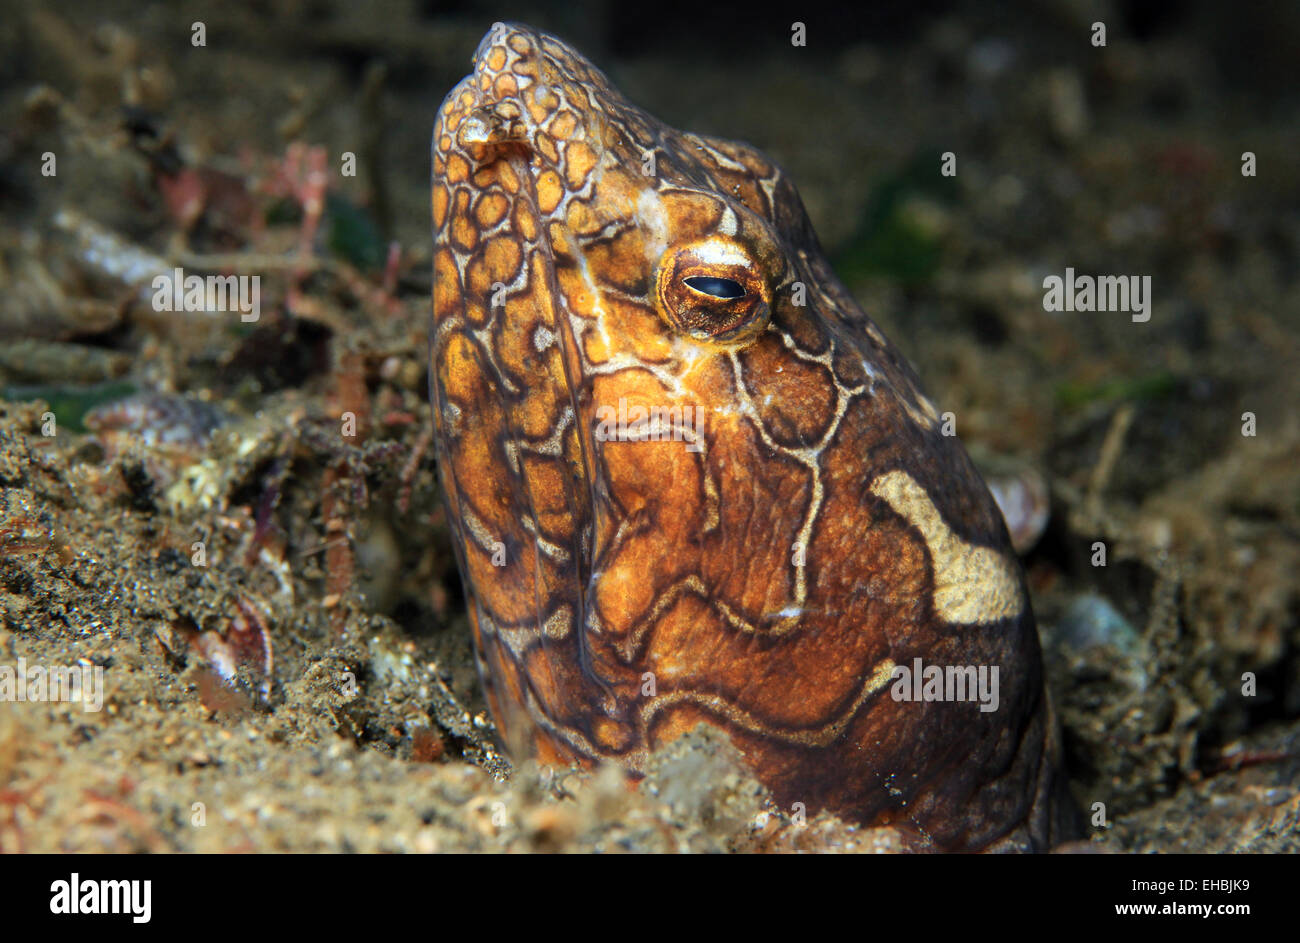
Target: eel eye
[713,290]
[725,288]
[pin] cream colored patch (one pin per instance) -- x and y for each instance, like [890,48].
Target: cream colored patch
[728,224]
[971,584]
[520,639]
[722,252]
[654,224]
[918,406]
[919,415]
[558,625]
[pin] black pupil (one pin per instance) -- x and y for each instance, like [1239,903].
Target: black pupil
[717,287]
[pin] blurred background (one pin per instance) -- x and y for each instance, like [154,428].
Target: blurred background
[1122,159]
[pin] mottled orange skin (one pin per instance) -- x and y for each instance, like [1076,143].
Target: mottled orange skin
[744,575]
